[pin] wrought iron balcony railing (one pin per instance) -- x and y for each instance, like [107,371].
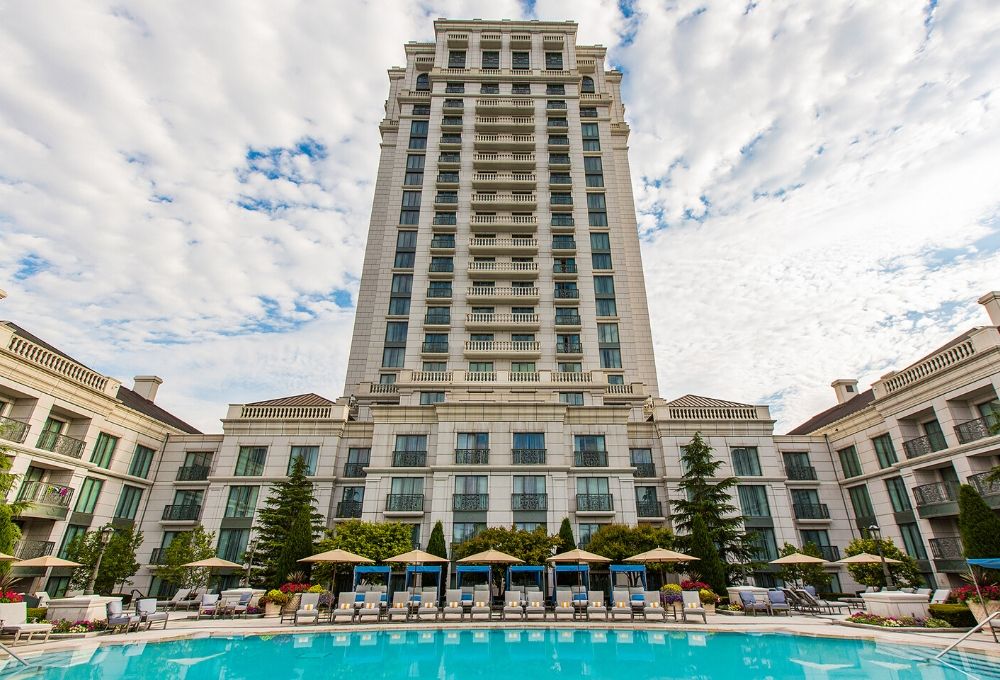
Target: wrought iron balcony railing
[28,549]
[811,510]
[831,553]
[354,470]
[60,443]
[590,458]
[13,430]
[569,348]
[528,456]
[187,512]
[644,470]
[980,428]
[192,473]
[43,493]
[921,446]
[946,548]
[594,502]
[470,501]
[935,493]
[984,487]
[411,502]
[349,509]
[649,508]
[800,472]
[472,456]
[529,501]
[409,458]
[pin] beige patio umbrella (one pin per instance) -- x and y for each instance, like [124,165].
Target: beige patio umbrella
[48,561]
[867,558]
[579,556]
[4,557]
[417,557]
[213,563]
[661,556]
[336,557]
[491,556]
[798,558]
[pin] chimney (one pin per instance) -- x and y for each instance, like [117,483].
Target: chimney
[991,301]
[845,389]
[146,386]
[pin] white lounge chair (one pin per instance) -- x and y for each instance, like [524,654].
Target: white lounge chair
[400,608]
[118,619]
[172,603]
[308,609]
[596,606]
[344,613]
[564,607]
[481,609]
[146,608]
[692,606]
[652,609]
[940,596]
[371,608]
[209,605]
[452,610]
[621,607]
[193,601]
[512,607]
[19,626]
[534,607]
[428,610]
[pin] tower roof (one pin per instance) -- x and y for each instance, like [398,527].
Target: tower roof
[308,399]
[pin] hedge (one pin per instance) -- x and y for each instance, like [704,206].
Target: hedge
[958,615]
[36,613]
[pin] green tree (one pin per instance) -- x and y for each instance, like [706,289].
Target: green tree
[298,544]
[712,502]
[906,574]
[289,499]
[709,567]
[619,541]
[436,544]
[566,535]
[375,540]
[187,546]
[118,563]
[978,525]
[534,547]
[809,574]
[10,533]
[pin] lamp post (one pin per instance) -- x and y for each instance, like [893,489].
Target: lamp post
[877,534]
[249,555]
[105,538]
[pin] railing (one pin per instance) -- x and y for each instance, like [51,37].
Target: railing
[572,377]
[181,513]
[409,458]
[43,493]
[504,139]
[643,469]
[446,220]
[503,198]
[935,493]
[529,501]
[440,242]
[13,430]
[442,267]
[505,156]
[800,472]
[504,267]
[563,221]
[472,456]
[481,376]
[437,319]
[504,219]
[568,319]
[984,487]
[524,376]
[563,244]
[528,456]
[830,553]
[558,159]
[569,348]
[249,412]
[564,268]
[649,508]
[921,446]
[502,318]
[504,177]
[355,470]
[434,347]
[28,549]
[496,102]
[61,444]
[980,428]
[590,458]
[47,359]
[591,502]
[470,501]
[413,502]
[193,473]
[712,413]
[479,242]
[502,291]
[158,556]
[432,376]
[505,120]
[446,158]
[555,106]
[930,366]
[811,510]
[439,293]
[567,293]
[619,389]
[502,346]
[446,178]
[946,548]
[382,388]
[349,509]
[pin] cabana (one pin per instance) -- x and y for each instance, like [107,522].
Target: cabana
[418,571]
[464,570]
[581,571]
[631,572]
[985,563]
[362,573]
[532,572]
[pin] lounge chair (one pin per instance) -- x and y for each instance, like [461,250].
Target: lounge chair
[831,607]
[534,605]
[117,619]
[940,596]
[798,603]
[637,596]
[481,609]
[621,607]
[597,607]
[778,602]
[371,609]
[209,605]
[652,609]
[563,607]
[750,603]
[146,609]
[172,603]
[923,591]
[308,609]
[345,608]
[512,607]
[193,601]
[428,610]
[400,608]
[18,625]
[692,606]
[580,598]
[452,610]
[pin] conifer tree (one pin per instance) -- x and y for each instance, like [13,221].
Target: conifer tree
[709,567]
[566,535]
[289,503]
[978,525]
[436,544]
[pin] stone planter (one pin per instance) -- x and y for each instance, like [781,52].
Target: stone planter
[271,609]
[727,612]
[977,609]
[709,608]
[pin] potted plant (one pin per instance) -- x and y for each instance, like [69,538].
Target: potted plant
[670,596]
[12,606]
[981,607]
[272,602]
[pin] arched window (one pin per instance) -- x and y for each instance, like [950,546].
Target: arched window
[424,83]
[587,86]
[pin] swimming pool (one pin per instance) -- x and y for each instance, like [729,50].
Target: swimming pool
[508,654]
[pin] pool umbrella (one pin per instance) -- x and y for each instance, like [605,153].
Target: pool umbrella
[47,562]
[867,558]
[335,557]
[798,558]
[4,557]
[661,556]
[491,556]
[418,557]
[213,563]
[578,556]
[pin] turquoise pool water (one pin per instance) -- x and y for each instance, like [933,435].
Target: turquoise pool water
[510,655]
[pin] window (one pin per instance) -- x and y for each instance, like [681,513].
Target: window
[409,216]
[489,88]
[588,112]
[592,486]
[520,61]
[188,497]
[414,170]
[250,461]
[599,241]
[72,531]
[439,289]
[104,449]
[411,199]
[89,492]
[597,219]
[411,442]
[529,440]
[594,171]
[142,458]
[571,398]
[570,367]
[897,494]
[611,358]
[884,451]
[386,378]
[395,332]
[753,501]
[818,537]
[404,260]
[491,59]
[765,548]
[587,85]
[586,532]
[746,462]
[463,531]
[429,398]
[399,306]
[527,526]
[597,202]
[555,88]
[616,379]
[402,284]
[421,109]
[242,501]
[232,544]
[392,357]
[435,366]
[849,461]
[407,486]
[913,544]
[522,367]
[797,465]
[521,88]
[480,367]
[861,502]
[473,440]
[308,454]
[423,83]
[128,502]
[456,59]
[418,134]
[640,457]
[455,88]
[591,137]
[589,442]
[553,61]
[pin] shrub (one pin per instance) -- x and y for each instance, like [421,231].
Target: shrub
[896,622]
[958,615]
[36,613]
[274,597]
[938,623]
[67,626]
[671,593]
[694,585]
[316,589]
[733,608]
[707,596]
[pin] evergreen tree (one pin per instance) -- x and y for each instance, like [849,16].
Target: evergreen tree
[566,535]
[118,562]
[712,502]
[436,544]
[187,546]
[978,525]
[289,499]
[709,567]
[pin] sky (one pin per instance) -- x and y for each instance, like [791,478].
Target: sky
[185,188]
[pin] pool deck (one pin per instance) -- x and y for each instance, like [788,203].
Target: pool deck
[183,625]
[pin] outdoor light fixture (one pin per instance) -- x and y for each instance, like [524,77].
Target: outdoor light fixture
[104,536]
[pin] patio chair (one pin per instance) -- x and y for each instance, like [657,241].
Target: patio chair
[831,607]
[345,608]
[637,597]
[400,608]
[563,607]
[308,609]
[798,603]
[621,607]
[512,607]
[43,598]
[596,606]
[580,598]
[778,602]
[940,596]
[226,606]
[208,606]
[117,619]
[750,603]
[563,595]
[428,610]
[481,609]
[482,594]
[453,610]
[534,605]
[692,606]
[181,594]
[192,601]
[652,609]
[18,625]
[146,609]
[371,609]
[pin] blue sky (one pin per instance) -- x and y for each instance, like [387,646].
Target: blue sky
[187,192]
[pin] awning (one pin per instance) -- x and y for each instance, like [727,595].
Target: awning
[361,570]
[628,569]
[986,562]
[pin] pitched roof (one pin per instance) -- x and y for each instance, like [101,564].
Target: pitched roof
[133,401]
[852,405]
[310,399]
[694,401]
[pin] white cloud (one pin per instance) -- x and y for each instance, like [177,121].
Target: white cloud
[126,130]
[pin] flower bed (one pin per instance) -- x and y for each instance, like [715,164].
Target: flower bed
[875,620]
[67,626]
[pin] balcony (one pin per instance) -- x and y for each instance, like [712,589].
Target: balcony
[516,124]
[158,556]
[482,201]
[564,243]
[594,502]
[515,245]
[938,499]
[355,470]
[441,267]
[443,243]
[61,444]
[409,458]
[472,456]
[188,512]
[528,456]
[504,141]
[564,268]
[561,202]
[572,348]
[482,320]
[529,501]
[449,160]
[566,293]
[504,222]
[470,502]
[948,555]
[47,501]
[434,348]
[501,293]
[451,141]
[990,491]
[499,105]
[411,503]
[192,473]
[644,470]
[590,458]
[563,222]
[437,319]
[504,180]
[980,428]
[445,220]
[568,320]
[451,123]
[502,348]
[811,511]
[921,446]
[649,509]
[503,159]
[13,430]
[439,293]
[349,509]
[557,124]
[801,473]
[28,549]
[507,270]
[446,180]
